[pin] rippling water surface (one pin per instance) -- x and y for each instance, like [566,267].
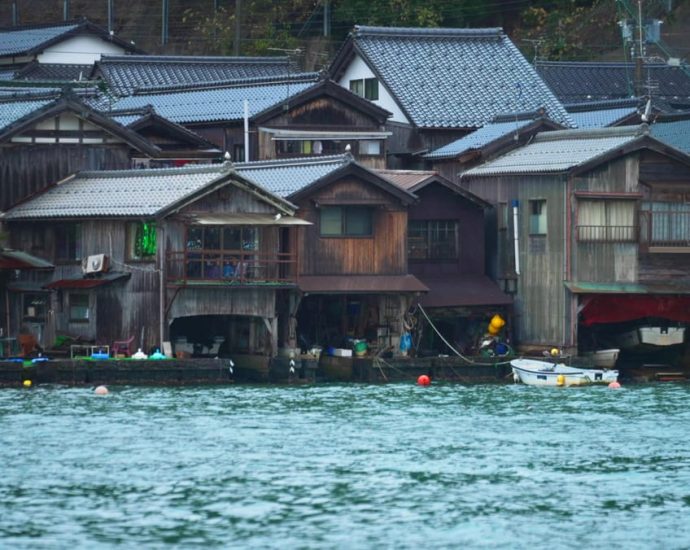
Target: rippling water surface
[346,466]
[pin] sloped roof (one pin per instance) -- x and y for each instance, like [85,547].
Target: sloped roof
[28,40]
[129,193]
[600,118]
[12,111]
[560,151]
[191,105]
[676,134]
[53,72]
[126,73]
[574,81]
[285,177]
[451,78]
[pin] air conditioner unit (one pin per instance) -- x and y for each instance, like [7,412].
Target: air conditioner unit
[97,263]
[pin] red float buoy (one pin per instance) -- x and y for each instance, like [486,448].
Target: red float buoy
[423,380]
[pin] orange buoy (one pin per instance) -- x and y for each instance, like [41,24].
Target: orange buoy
[614,385]
[423,380]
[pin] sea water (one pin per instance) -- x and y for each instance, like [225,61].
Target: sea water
[346,466]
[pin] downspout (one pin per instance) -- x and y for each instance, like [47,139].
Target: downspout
[516,239]
[246,130]
[567,262]
[161,284]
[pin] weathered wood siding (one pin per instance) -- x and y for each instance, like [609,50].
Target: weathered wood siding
[26,169]
[384,253]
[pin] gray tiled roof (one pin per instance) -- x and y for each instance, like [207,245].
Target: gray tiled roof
[459,78]
[14,42]
[676,134]
[11,111]
[285,177]
[218,103]
[48,72]
[601,118]
[125,73]
[558,151]
[478,138]
[590,81]
[116,193]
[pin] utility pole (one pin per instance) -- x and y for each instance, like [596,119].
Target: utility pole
[238,16]
[164,23]
[326,17]
[15,13]
[639,69]
[110,16]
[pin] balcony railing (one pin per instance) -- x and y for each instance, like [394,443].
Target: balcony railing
[231,267]
[665,230]
[607,233]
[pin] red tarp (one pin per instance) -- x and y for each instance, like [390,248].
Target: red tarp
[609,308]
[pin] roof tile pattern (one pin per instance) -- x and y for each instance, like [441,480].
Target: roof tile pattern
[126,73]
[558,151]
[601,118]
[116,193]
[676,134]
[12,111]
[13,42]
[48,72]
[588,81]
[285,177]
[455,78]
[215,104]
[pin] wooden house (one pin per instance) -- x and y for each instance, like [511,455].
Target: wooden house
[44,138]
[354,280]
[439,84]
[446,252]
[591,221]
[190,255]
[286,117]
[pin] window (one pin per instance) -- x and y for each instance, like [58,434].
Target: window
[502,216]
[367,88]
[35,306]
[667,223]
[369,147]
[346,221]
[68,242]
[537,217]
[606,220]
[432,240]
[141,240]
[214,251]
[79,308]
[238,152]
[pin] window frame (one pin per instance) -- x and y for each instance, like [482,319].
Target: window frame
[538,231]
[40,308]
[607,228]
[346,213]
[368,87]
[73,307]
[131,229]
[430,243]
[68,242]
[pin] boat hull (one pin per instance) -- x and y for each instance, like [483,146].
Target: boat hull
[541,373]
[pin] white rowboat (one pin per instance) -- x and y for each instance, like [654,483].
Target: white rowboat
[541,373]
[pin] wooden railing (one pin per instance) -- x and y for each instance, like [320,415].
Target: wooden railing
[665,230]
[607,233]
[239,267]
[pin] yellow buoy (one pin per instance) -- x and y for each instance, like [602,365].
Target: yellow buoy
[560,380]
[496,324]
[27,383]
[555,352]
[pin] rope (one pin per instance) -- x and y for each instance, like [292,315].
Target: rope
[463,357]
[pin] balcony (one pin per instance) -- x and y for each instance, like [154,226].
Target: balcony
[665,231]
[607,233]
[230,267]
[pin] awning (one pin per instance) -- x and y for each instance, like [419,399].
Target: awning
[627,288]
[88,282]
[363,284]
[618,308]
[16,259]
[463,290]
[299,135]
[242,218]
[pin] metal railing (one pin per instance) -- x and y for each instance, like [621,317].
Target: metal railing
[607,233]
[230,266]
[665,229]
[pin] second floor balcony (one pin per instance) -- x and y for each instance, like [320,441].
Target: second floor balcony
[230,267]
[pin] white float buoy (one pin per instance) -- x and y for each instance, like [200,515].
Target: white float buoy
[101,390]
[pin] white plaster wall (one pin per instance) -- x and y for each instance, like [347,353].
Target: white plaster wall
[79,50]
[359,69]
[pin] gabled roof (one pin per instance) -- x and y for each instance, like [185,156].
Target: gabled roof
[450,78]
[30,40]
[676,134]
[134,193]
[501,130]
[568,151]
[297,178]
[608,112]
[126,73]
[16,116]
[416,180]
[53,72]
[573,81]
[219,103]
